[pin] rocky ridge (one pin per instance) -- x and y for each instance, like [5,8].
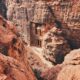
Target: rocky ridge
[13,54]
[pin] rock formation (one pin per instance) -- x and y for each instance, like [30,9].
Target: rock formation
[11,69]
[51,74]
[71,68]
[46,31]
[50,11]
[55,46]
[68,70]
[12,45]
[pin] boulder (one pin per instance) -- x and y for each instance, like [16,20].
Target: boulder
[73,58]
[71,66]
[70,72]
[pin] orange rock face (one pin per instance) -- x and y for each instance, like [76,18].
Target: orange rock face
[10,39]
[12,45]
[11,69]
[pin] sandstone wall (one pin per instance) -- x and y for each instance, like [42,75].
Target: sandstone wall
[15,63]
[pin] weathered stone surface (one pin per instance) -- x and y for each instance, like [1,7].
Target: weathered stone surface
[68,12]
[7,31]
[65,14]
[55,46]
[10,41]
[70,72]
[72,36]
[15,12]
[37,60]
[11,69]
[71,68]
[30,10]
[72,58]
[12,45]
[42,13]
[51,74]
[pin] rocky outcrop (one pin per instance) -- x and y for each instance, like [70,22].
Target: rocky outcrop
[55,46]
[12,45]
[68,70]
[72,36]
[10,39]
[68,13]
[72,58]
[71,68]
[11,69]
[42,13]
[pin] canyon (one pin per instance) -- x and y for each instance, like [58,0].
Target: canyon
[39,39]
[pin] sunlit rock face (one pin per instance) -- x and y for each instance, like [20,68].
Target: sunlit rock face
[71,65]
